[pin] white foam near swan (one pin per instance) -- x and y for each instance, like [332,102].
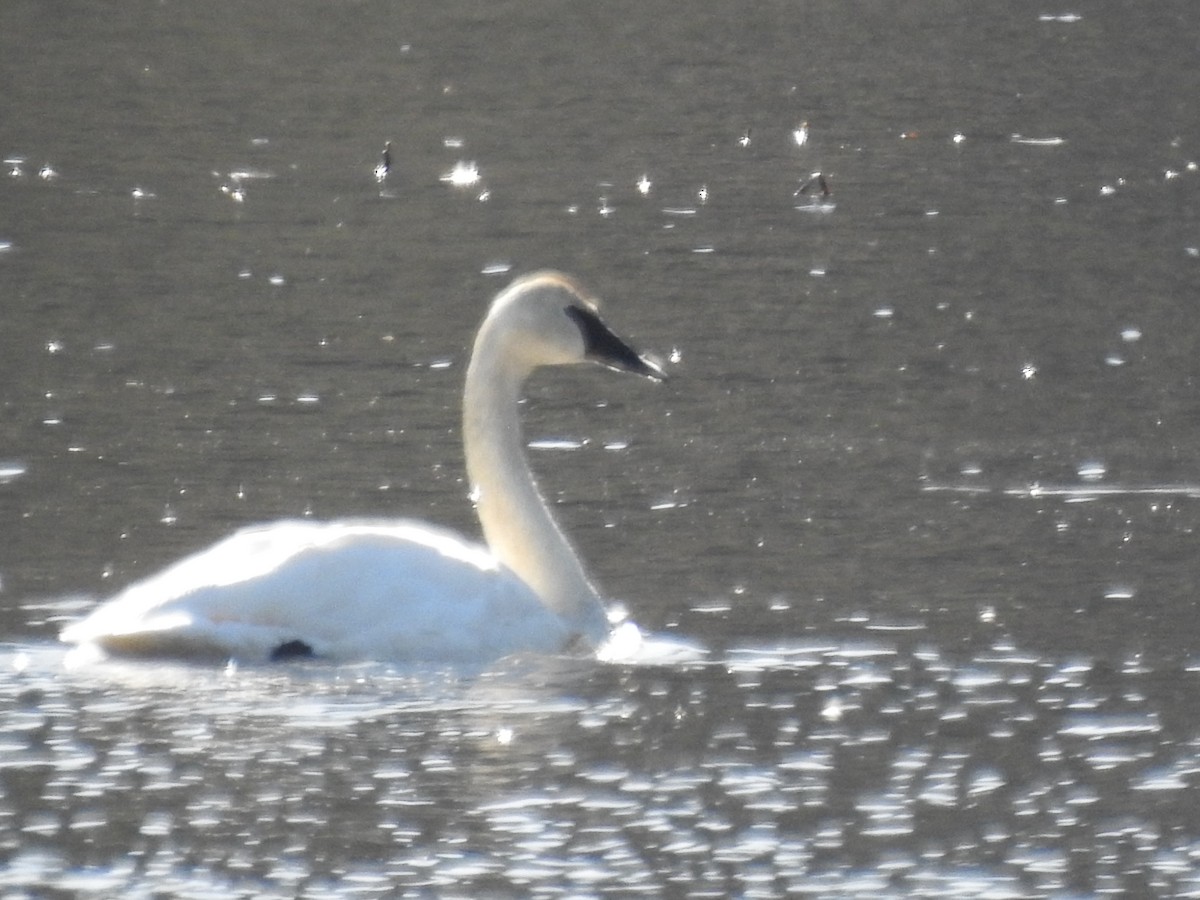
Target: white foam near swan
[395,589]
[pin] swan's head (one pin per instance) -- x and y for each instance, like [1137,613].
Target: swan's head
[549,319]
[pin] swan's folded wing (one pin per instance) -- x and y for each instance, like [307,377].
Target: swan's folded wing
[342,590]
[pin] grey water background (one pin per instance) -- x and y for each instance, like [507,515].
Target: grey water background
[925,482]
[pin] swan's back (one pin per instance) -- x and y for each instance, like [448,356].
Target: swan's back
[353,589]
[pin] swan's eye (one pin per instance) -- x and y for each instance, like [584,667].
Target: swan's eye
[590,325]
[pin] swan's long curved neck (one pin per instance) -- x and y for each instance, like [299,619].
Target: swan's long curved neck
[517,523]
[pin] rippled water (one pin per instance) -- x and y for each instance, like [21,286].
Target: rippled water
[812,768]
[923,488]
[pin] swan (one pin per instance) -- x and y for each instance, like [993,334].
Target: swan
[402,590]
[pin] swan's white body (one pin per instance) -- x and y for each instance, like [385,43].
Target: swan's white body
[393,589]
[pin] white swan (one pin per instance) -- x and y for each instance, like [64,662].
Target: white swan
[393,589]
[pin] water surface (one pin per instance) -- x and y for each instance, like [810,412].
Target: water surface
[923,483]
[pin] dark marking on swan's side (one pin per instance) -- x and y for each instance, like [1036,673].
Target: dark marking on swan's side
[294,649]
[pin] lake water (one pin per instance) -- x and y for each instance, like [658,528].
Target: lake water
[924,484]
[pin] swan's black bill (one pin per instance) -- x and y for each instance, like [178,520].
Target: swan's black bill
[603,346]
